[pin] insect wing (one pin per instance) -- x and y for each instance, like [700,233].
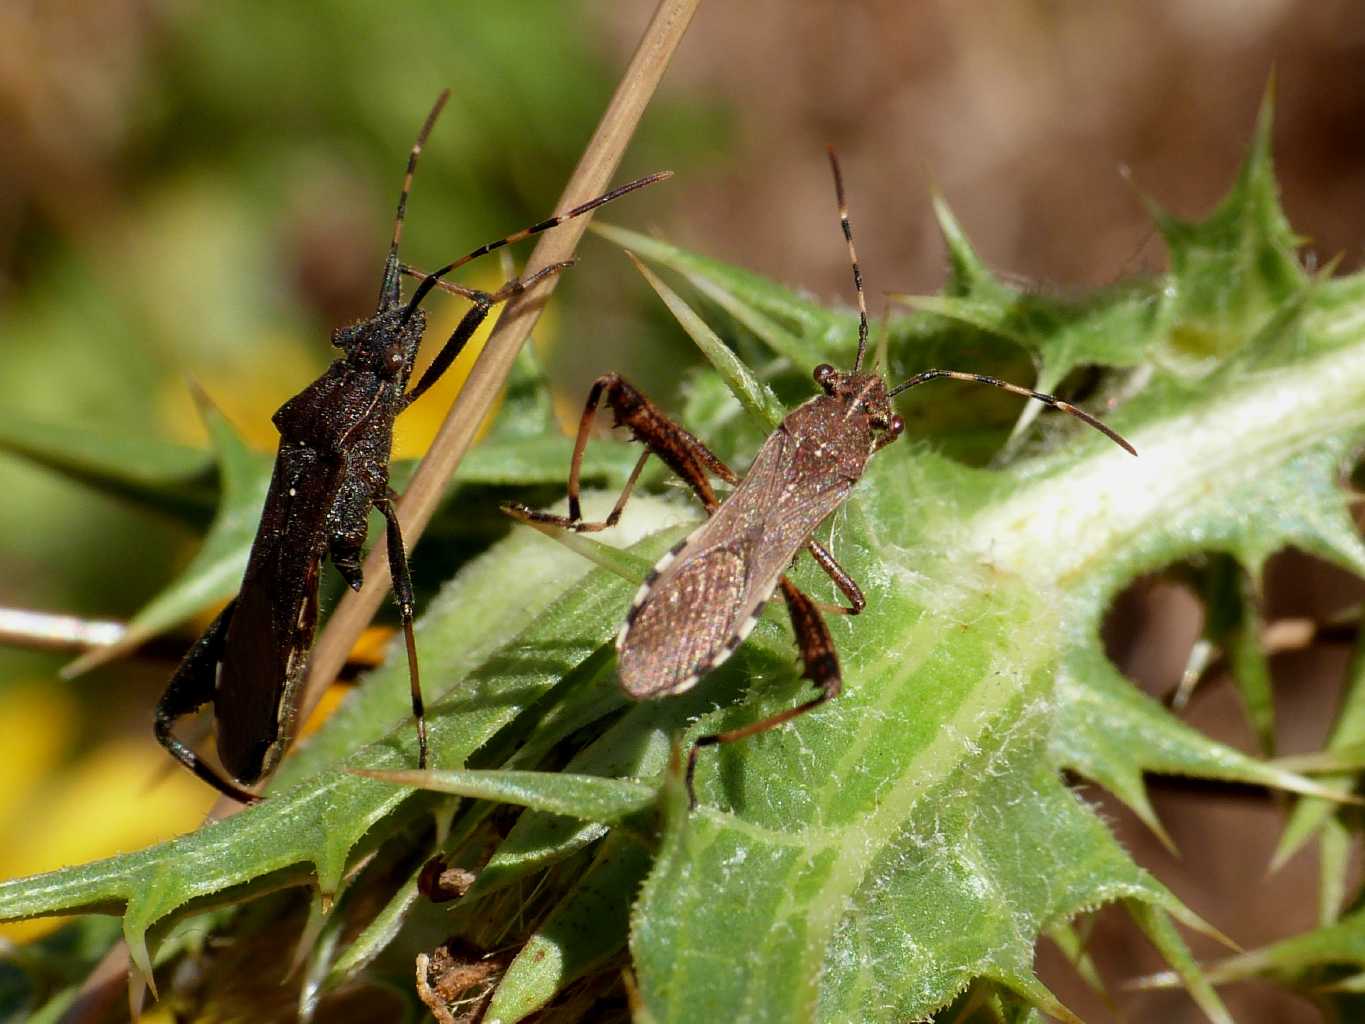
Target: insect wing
[686,619]
[272,629]
[254,702]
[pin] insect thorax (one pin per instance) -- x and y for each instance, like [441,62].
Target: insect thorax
[385,343]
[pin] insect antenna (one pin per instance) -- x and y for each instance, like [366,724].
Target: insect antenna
[432,279]
[389,293]
[1056,403]
[852,257]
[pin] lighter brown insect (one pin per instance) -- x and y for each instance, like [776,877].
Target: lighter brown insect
[704,596]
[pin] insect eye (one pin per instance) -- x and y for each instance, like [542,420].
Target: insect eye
[896,426]
[824,375]
[393,358]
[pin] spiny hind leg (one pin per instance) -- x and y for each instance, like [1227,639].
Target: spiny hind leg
[191,688]
[820,664]
[684,454]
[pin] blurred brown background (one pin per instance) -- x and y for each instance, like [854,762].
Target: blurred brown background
[204,190]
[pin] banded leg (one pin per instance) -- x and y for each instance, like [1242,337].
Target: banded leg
[847,585]
[402,595]
[682,452]
[432,280]
[469,323]
[821,667]
[192,687]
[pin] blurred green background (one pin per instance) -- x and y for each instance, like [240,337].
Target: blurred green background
[197,191]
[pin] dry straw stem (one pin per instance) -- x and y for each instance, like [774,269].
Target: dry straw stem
[591,177]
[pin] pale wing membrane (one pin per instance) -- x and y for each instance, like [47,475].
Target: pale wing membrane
[686,623]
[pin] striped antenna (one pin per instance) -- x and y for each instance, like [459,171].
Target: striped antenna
[996,382]
[389,293]
[853,258]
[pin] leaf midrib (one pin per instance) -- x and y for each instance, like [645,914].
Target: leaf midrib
[1266,418]
[857,845]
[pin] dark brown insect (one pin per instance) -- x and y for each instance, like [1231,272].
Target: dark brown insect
[703,597]
[332,468]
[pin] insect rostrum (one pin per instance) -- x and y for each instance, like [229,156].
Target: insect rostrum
[333,467]
[704,596]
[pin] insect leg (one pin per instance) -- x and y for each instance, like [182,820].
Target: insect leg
[190,688]
[893,430]
[402,593]
[469,323]
[432,280]
[579,525]
[683,453]
[821,667]
[846,583]
[346,545]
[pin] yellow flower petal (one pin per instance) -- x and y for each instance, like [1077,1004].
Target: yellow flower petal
[124,795]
